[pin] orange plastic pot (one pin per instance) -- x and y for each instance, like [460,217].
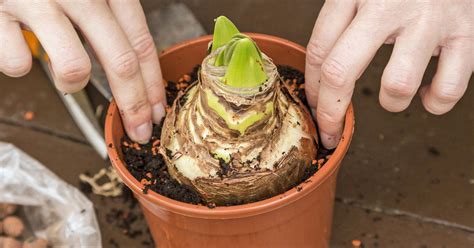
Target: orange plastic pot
[296,218]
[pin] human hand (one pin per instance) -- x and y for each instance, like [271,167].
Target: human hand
[347,34]
[117,32]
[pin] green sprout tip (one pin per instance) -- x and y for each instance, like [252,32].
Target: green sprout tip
[244,64]
[240,54]
[224,30]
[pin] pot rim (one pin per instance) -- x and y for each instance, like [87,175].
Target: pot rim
[238,211]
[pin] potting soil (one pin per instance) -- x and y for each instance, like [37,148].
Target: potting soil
[149,168]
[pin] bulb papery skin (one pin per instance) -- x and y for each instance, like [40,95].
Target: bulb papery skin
[238,145]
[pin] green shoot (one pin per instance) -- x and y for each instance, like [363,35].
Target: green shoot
[224,30]
[244,63]
[240,54]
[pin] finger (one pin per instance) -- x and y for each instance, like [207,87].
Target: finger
[15,57]
[345,63]
[69,61]
[333,19]
[451,79]
[403,74]
[119,61]
[130,16]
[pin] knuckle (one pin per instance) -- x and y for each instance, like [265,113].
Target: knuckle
[136,108]
[154,93]
[144,46]
[329,117]
[17,66]
[334,73]
[74,70]
[315,53]
[125,65]
[448,94]
[401,85]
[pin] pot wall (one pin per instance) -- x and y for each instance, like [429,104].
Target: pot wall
[304,223]
[297,218]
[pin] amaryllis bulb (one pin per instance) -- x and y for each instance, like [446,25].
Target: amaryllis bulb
[238,135]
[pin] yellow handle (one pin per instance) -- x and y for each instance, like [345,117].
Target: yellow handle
[34,45]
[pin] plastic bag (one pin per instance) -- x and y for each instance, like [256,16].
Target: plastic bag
[54,209]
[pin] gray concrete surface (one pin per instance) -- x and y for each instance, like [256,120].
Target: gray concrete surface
[407,181]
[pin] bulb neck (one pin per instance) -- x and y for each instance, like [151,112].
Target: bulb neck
[236,110]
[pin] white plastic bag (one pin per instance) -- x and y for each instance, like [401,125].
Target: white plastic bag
[54,209]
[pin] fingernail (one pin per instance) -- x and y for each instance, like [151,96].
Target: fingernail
[158,112]
[329,141]
[143,133]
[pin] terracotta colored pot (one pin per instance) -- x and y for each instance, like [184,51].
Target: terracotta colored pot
[292,219]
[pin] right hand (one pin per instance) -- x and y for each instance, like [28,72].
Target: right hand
[117,32]
[347,35]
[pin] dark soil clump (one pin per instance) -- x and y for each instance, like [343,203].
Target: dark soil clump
[149,168]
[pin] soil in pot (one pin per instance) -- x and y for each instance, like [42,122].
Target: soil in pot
[148,166]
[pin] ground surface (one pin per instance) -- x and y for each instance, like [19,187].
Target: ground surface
[407,181]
